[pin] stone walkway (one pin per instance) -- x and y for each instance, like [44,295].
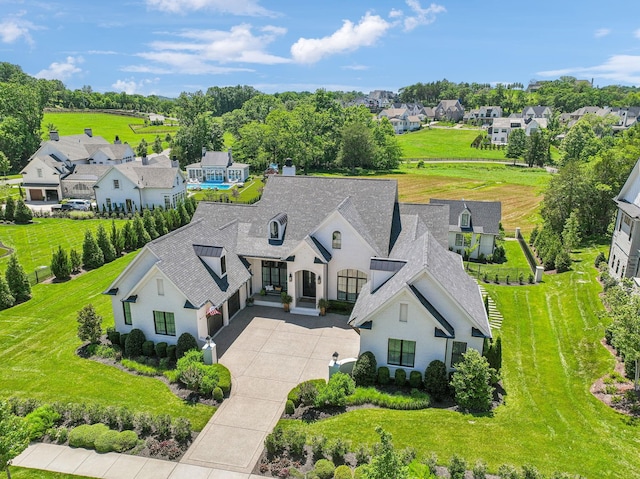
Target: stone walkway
[268,352]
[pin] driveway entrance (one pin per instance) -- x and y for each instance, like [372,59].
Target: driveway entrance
[268,352]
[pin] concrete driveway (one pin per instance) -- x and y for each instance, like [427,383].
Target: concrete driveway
[268,352]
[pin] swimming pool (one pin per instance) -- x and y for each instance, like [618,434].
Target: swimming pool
[209,185]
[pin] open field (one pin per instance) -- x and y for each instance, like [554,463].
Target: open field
[35,243]
[552,355]
[519,189]
[107,126]
[38,352]
[444,143]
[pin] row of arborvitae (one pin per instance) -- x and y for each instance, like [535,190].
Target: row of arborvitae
[14,286]
[290,453]
[16,211]
[103,428]
[104,248]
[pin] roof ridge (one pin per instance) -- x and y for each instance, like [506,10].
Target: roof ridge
[176,231]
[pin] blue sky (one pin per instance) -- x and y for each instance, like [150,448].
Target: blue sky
[165,47]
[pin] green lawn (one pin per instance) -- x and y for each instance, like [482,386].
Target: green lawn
[38,357]
[35,243]
[444,143]
[22,473]
[107,126]
[552,355]
[515,265]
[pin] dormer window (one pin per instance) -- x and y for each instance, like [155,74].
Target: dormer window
[223,265]
[277,226]
[336,240]
[465,219]
[275,230]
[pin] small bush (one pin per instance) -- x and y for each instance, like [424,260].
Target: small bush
[218,395]
[41,420]
[364,371]
[479,470]
[295,440]
[318,445]
[161,350]
[185,343]
[306,392]
[343,472]
[171,352]
[384,377]
[162,426]
[415,379]
[507,471]
[274,443]
[104,443]
[337,450]
[114,441]
[62,434]
[143,423]
[181,429]
[113,336]
[436,382]
[359,473]
[530,472]
[340,385]
[224,377]
[123,340]
[472,382]
[599,259]
[457,467]
[289,407]
[324,469]
[400,377]
[148,349]
[85,436]
[133,343]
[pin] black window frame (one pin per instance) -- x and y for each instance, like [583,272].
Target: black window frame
[163,316]
[404,355]
[347,278]
[126,310]
[223,264]
[336,240]
[456,356]
[269,277]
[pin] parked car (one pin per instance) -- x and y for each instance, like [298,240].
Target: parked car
[77,204]
[61,207]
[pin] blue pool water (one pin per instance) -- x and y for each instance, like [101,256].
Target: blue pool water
[209,185]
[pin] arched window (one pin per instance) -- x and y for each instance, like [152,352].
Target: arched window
[275,230]
[336,240]
[350,282]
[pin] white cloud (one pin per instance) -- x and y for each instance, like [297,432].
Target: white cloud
[14,27]
[348,38]
[395,13]
[618,69]
[355,67]
[102,52]
[637,33]
[203,51]
[61,71]
[602,32]
[130,86]
[236,7]
[421,16]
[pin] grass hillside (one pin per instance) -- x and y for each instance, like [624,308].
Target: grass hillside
[107,126]
[444,143]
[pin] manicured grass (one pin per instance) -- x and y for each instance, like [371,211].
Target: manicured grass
[551,356]
[35,243]
[38,357]
[250,191]
[107,126]
[519,189]
[445,143]
[22,473]
[515,265]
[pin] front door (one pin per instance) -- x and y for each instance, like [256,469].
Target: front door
[308,284]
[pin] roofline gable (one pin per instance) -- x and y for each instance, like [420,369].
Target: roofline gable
[335,213]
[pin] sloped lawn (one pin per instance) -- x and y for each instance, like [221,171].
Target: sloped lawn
[38,357]
[552,355]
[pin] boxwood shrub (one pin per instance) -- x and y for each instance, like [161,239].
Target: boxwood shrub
[415,379]
[123,340]
[298,394]
[400,377]
[224,377]
[364,371]
[85,436]
[40,420]
[185,342]
[114,441]
[343,472]
[161,349]
[324,469]
[384,377]
[289,407]
[171,352]
[148,349]
[133,343]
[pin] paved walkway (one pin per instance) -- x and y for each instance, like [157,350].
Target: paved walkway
[268,352]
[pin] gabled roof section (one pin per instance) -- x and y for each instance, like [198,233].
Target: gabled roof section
[433,311]
[148,176]
[350,213]
[485,215]
[629,197]
[208,251]
[384,264]
[433,217]
[319,248]
[216,158]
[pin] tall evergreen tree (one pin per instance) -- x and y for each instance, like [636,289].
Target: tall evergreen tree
[108,251]
[161,224]
[60,264]
[17,280]
[76,260]
[182,214]
[6,298]
[92,256]
[9,209]
[117,239]
[150,224]
[23,214]
[129,237]
[89,324]
[141,234]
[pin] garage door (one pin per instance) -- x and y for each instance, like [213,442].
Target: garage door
[35,195]
[214,323]
[234,304]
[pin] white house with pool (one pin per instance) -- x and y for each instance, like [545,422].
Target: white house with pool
[217,168]
[312,237]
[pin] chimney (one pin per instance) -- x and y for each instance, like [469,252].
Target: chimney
[117,141]
[174,162]
[204,151]
[145,160]
[230,157]
[54,136]
[88,132]
[289,169]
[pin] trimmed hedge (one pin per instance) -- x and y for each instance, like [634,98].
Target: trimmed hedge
[416,400]
[185,343]
[343,472]
[384,376]
[295,396]
[224,377]
[364,371]
[161,350]
[324,469]
[289,407]
[148,349]
[133,343]
[171,352]
[415,379]
[400,377]
[85,436]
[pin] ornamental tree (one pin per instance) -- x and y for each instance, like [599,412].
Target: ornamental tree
[89,324]
[60,264]
[17,280]
[92,256]
[472,382]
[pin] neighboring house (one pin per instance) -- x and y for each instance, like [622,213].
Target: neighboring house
[625,117]
[449,110]
[478,219]
[218,167]
[401,119]
[148,183]
[57,158]
[624,253]
[537,112]
[502,127]
[483,116]
[312,237]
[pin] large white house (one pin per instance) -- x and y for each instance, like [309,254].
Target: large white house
[145,183]
[478,220]
[57,158]
[217,167]
[501,128]
[624,253]
[312,237]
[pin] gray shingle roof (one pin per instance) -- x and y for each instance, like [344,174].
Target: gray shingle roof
[485,215]
[216,158]
[74,147]
[149,176]
[433,217]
